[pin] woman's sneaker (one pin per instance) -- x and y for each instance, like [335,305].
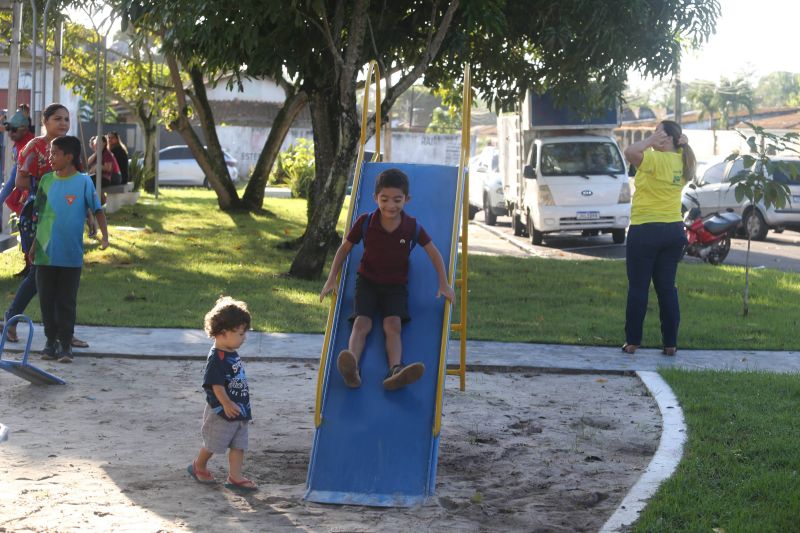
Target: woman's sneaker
[400,375]
[65,354]
[50,350]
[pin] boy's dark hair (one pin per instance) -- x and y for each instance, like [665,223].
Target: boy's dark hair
[226,315]
[394,178]
[70,146]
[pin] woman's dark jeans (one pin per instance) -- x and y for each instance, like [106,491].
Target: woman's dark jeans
[652,253]
[24,295]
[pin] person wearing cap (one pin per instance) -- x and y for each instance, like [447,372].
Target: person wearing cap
[19,131]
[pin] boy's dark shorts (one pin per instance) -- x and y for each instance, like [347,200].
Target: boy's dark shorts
[390,299]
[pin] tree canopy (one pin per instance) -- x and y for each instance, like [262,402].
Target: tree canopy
[316,50]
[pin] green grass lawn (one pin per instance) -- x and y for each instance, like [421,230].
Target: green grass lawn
[740,467]
[171,258]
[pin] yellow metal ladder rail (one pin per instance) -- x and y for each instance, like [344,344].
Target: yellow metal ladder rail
[462,282]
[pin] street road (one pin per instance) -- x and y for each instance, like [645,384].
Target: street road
[780,250]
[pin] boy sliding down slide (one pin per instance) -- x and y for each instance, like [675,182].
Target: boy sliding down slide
[389,236]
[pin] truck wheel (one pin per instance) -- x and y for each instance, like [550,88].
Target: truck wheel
[754,225]
[472,212]
[488,215]
[536,236]
[516,224]
[618,235]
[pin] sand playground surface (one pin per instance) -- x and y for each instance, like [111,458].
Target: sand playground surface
[108,452]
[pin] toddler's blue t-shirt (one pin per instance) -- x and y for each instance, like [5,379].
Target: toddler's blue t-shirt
[227,369]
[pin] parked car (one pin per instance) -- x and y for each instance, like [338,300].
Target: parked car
[486,186]
[177,166]
[714,192]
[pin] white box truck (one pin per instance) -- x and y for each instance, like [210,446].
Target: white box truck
[563,172]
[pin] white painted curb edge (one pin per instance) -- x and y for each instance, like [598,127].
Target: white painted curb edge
[497,233]
[665,460]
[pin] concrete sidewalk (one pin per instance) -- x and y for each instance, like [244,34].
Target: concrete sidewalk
[165,343]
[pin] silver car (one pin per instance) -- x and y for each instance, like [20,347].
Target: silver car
[486,186]
[177,166]
[715,193]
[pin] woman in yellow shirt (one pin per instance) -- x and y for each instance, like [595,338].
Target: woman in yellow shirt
[656,236]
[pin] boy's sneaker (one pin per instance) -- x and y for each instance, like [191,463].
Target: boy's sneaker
[50,350]
[400,375]
[348,368]
[65,354]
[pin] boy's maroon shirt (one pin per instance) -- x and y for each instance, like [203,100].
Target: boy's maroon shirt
[385,258]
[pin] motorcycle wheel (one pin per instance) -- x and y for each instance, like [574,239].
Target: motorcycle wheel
[720,251]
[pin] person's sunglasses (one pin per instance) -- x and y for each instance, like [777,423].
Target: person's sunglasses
[11,130]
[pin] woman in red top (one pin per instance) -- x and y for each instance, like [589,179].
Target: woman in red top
[34,159]
[110,166]
[33,163]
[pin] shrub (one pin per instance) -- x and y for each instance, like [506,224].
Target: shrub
[141,177]
[278,176]
[298,164]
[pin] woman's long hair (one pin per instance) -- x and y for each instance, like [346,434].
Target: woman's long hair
[673,129]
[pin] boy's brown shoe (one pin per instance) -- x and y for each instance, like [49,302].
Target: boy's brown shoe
[399,376]
[348,368]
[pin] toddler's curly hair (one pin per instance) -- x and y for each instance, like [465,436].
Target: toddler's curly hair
[227,314]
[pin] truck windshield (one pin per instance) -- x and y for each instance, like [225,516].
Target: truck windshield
[581,158]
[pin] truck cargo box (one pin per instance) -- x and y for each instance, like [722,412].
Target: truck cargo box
[543,114]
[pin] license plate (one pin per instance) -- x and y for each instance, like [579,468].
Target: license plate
[588,215]
[796,200]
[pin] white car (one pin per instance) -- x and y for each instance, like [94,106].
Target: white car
[714,192]
[177,166]
[486,186]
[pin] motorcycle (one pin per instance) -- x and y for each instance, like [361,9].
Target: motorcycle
[709,238]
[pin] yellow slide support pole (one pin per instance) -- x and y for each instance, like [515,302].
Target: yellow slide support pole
[461,327]
[372,72]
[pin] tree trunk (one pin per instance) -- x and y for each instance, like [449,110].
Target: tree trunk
[336,134]
[254,193]
[213,167]
[211,159]
[148,122]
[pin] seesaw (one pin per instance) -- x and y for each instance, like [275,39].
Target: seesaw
[22,368]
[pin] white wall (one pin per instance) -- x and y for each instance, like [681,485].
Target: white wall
[67,99]
[254,91]
[246,143]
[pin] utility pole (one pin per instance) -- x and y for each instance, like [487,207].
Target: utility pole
[57,45]
[13,87]
[44,54]
[34,52]
[678,112]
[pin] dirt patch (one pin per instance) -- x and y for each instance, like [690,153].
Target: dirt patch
[108,452]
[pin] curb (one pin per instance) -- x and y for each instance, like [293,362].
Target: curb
[524,247]
[664,462]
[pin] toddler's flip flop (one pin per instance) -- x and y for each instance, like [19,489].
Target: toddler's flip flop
[245,485]
[201,476]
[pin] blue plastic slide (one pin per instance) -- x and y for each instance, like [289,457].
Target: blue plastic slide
[376,447]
